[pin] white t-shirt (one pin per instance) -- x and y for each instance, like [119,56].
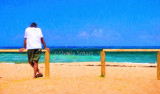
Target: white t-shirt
[33,36]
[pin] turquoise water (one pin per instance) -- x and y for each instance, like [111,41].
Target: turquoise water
[65,55]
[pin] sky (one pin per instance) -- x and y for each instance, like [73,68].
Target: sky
[82,22]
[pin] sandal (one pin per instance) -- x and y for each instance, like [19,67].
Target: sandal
[39,75]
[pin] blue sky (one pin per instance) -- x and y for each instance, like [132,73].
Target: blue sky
[82,22]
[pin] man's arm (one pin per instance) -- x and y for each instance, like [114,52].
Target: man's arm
[43,42]
[24,46]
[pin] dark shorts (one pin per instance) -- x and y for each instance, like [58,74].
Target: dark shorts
[33,55]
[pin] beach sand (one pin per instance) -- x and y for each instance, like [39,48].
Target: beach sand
[80,78]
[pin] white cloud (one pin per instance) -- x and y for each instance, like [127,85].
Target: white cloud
[19,36]
[97,33]
[83,34]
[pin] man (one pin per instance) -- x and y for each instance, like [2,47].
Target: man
[33,38]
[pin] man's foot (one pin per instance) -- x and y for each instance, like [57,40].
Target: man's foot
[34,77]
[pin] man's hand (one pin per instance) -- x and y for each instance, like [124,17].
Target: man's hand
[47,49]
[21,50]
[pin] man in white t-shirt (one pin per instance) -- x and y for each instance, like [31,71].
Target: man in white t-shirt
[33,38]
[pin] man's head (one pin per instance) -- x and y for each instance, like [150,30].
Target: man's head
[33,25]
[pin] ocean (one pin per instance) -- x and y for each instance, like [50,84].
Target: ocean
[69,54]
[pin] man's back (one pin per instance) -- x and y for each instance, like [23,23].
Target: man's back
[33,36]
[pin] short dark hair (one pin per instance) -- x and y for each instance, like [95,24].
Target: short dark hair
[33,25]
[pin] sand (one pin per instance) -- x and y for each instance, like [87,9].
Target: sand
[80,78]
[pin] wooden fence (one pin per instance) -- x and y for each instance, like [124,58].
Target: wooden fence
[46,58]
[103,66]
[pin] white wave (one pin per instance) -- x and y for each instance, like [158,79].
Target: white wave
[8,63]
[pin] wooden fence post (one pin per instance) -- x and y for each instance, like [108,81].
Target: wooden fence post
[103,65]
[47,64]
[158,65]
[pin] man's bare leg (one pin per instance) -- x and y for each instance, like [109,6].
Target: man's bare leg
[35,68]
[32,64]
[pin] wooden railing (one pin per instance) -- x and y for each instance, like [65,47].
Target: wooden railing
[103,66]
[46,58]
